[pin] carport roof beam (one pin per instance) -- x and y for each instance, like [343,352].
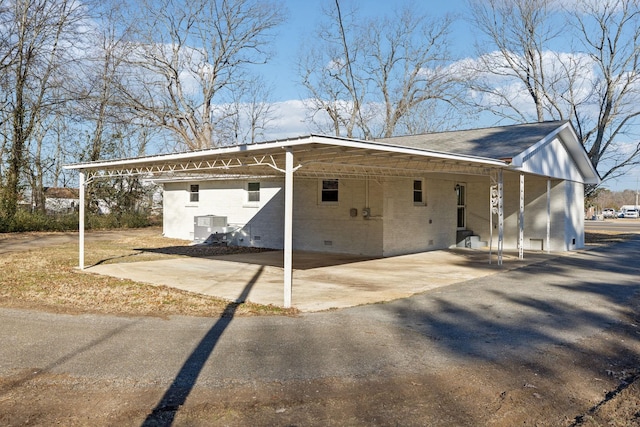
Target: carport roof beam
[263,158]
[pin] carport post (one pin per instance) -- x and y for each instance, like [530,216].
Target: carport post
[81,184]
[500,215]
[548,216]
[288,226]
[521,220]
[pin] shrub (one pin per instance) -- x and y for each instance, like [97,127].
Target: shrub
[38,221]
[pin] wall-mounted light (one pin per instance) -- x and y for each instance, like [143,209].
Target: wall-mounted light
[457,189]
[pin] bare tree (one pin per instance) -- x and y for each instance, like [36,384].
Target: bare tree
[594,82]
[42,36]
[516,34]
[610,34]
[187,54]
[373,75]
[408,63]
[253,112]
[331,71]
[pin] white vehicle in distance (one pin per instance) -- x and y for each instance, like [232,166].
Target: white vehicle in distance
[634,211]
[609,213]
[631,213]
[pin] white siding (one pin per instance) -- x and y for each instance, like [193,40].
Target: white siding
[535,213]
[574,216]
[550,159]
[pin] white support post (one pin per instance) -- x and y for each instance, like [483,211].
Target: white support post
[548,216]
[288,227]
[81,186]
[500,216]
[491,208]
[521,220]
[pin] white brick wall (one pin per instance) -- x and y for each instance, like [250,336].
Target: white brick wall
[316,226]
[396,225]
[225,198]
[410,228]
[330,227]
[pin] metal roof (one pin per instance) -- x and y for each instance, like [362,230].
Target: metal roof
[475,151]
[315,156]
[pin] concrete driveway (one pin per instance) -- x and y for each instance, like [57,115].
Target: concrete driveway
[320,281]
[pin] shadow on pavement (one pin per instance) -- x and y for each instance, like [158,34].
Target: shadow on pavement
[554,301]
[176,395]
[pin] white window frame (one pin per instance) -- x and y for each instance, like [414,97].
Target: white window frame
[195,193]
[247,200]
[422,191]
[321,191]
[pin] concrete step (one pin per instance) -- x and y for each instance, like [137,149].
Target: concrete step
[476,243]
[472,242]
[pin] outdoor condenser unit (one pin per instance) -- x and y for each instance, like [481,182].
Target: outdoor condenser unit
[206,225]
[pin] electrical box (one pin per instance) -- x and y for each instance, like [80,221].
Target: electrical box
[366,212]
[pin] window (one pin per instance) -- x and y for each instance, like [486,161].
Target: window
[329,191]
[194,193]
[253,192]
[418,192]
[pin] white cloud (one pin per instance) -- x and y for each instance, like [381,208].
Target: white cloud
[291,120]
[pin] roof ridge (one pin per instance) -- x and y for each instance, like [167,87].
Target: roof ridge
[559,122]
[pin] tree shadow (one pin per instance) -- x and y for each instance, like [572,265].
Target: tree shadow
[165,411]
[552,301]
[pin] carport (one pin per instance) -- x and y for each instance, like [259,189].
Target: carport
[544,150]
[311,156]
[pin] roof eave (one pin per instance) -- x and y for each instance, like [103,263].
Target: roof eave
[278,145]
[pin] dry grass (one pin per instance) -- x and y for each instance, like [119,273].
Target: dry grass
[47,279]
[606,238]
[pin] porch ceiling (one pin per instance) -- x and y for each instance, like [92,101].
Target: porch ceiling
[314,156]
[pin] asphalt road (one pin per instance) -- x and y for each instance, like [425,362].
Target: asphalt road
[511,314]
[625,225]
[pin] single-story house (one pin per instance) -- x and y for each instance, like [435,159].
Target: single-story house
[510,187]
[61,199]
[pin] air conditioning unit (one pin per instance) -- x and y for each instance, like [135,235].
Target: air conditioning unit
[206,225]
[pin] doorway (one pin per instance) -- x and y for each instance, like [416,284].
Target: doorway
[461,196]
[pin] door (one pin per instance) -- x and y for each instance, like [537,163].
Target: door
[461,195]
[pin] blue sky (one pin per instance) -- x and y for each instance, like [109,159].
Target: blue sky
[303,16]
